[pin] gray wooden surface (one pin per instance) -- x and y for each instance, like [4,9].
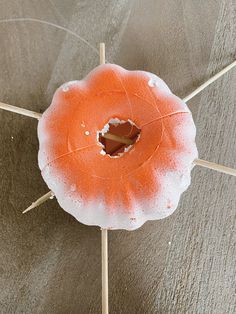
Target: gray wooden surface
[50,263]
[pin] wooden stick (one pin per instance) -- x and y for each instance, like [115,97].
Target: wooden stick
[38,115]
[39,201]
[210,81]
[102,53]
[118,138]
[214,166]
[21,111]
[198,162]
[104,234]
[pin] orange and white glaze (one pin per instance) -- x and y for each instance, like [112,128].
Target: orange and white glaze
[145,182]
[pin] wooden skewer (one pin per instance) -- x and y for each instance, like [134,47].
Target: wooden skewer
[21,111]
[118,138]
[104,238]
[124,140]
[197,162]
[210,81]
[104,233]
[39,201]
[214,166]
[102,53]
[37,115]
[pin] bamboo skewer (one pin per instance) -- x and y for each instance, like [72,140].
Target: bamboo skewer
[102,53]
[117,138]
[210,81]
[39,201]
[22,111]
[104,233]
[197,162]
[104,238]
[38,115]
[214,166]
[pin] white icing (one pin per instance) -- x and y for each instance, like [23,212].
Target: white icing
[155,81]
[65,87]
[102,152]
[152,82]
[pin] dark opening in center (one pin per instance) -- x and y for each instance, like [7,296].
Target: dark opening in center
[119,137]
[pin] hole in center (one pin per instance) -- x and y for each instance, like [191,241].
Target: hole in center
[118,137]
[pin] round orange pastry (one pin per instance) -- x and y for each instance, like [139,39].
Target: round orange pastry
[117,148]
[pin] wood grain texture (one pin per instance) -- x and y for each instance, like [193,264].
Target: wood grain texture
[49,263]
